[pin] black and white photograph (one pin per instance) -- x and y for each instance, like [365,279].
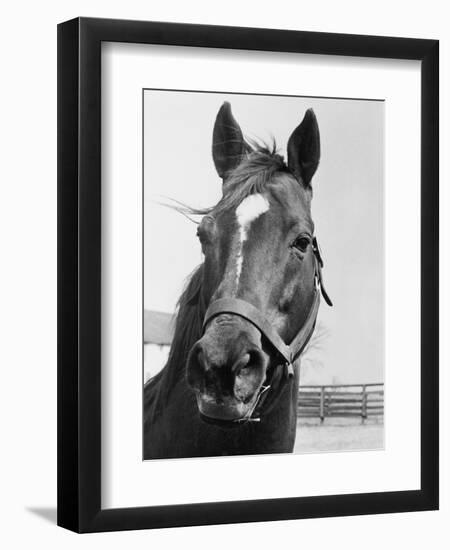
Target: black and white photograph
[263,278]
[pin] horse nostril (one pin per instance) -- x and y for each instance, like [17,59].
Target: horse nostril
[249,375]
[241,363]
[196,367]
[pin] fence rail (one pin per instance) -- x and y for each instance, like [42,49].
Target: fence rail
[345,400]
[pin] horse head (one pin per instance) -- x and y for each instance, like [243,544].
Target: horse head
[261,268]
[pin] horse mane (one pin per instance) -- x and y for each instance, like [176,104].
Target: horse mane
[188,326]
[189,320]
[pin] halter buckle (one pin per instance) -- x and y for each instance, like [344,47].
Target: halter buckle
[289,369]
[317,251]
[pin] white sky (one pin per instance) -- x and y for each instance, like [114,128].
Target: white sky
[347,207]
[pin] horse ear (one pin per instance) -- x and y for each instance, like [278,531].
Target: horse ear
[229,145]
[304,149]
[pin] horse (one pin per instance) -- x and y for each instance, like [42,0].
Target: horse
[230,385]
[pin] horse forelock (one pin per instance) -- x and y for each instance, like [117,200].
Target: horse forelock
[252,176]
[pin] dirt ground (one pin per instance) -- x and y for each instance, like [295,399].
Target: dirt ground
[338,435]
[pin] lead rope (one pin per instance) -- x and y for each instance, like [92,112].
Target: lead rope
[248,416]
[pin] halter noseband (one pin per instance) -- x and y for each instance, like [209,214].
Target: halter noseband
[288,353]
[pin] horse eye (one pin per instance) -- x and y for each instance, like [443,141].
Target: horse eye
[206,230]
[301,243]
[202,235]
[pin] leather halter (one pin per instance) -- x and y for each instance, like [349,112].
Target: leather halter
[288,353]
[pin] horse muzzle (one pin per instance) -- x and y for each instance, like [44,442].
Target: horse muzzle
[226,368]
[221,410]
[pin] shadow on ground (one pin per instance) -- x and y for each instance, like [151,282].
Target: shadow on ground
[45,513]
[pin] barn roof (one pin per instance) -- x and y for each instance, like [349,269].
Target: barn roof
[158,327]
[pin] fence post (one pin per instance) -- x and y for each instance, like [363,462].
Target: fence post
[322,404]
[363,404]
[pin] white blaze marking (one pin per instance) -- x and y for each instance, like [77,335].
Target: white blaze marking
[249,210]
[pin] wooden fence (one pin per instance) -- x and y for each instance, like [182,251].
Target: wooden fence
[346,400]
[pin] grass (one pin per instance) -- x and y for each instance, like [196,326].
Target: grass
[338,435]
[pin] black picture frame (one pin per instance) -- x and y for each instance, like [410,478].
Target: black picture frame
[79,274]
